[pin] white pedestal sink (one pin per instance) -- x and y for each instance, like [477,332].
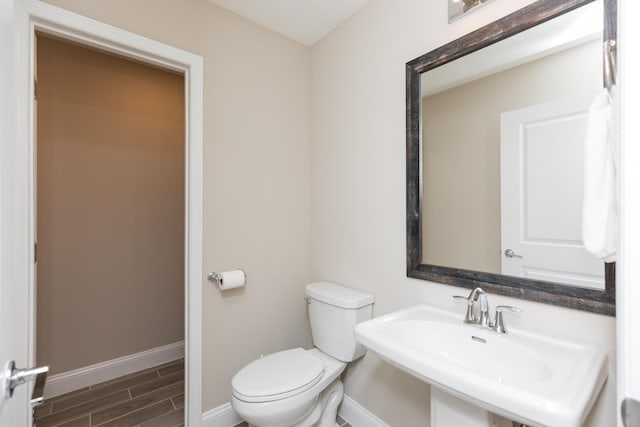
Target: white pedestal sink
[533,379]
[447,411]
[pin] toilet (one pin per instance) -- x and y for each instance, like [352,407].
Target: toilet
[298,387]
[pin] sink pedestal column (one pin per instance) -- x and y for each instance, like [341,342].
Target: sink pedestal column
[447,411]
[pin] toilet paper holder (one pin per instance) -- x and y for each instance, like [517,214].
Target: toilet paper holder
[217,278]
[213,277]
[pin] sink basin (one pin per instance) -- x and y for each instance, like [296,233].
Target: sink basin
[526,377]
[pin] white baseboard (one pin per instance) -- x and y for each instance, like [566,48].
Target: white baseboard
[352,412]
[104,371]
[357,415]
[222,416]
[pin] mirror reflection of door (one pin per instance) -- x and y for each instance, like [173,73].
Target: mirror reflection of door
[462,104]
[541,154]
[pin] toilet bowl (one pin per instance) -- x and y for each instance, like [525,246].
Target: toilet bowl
[298,387]
[268,401]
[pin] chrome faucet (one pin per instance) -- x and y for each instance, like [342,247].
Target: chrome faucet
[498,325]
[483,320]
[470,317]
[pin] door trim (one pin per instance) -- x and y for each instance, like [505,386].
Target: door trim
[628,292]
[31,16]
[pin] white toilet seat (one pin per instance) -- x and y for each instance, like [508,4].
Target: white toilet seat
[302,408]
[278,376]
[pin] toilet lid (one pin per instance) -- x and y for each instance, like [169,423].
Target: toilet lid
[277,376]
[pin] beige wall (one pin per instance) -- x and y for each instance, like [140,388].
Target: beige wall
[110,218]
[256,174]
[461,157]
[358,192]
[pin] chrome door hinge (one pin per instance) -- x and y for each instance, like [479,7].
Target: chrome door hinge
[35,89]
[35,252]
[630,412]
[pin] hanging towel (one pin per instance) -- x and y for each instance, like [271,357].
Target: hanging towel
[599,209]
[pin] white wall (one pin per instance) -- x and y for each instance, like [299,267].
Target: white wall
[358,191]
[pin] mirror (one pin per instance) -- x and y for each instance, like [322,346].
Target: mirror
[495,126]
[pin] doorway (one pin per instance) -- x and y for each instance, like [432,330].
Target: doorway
[18,198]
[110,172]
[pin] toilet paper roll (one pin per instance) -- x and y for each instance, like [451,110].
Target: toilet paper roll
[231,279]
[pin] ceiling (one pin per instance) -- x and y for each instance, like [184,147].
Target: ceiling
[305,21]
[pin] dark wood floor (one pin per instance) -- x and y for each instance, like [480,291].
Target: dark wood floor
[150,398]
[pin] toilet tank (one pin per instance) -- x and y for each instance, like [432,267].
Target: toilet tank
[334,312]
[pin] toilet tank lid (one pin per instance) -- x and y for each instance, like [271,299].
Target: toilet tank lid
[337,295]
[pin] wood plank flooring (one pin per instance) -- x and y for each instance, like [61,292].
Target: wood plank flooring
[150,398]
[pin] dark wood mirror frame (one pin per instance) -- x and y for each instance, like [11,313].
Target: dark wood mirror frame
[596,301]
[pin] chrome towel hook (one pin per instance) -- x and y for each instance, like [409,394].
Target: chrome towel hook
[609,64]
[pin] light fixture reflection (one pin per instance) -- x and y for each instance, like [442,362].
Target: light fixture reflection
[457,8]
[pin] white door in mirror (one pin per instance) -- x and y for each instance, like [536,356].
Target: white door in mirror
[541,157]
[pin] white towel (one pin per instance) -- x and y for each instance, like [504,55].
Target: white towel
[599,209]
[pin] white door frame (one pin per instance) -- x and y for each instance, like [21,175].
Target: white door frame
[32,15]
[628,271]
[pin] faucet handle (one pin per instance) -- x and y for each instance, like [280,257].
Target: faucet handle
[502,308]
[499,322]
[469,317]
